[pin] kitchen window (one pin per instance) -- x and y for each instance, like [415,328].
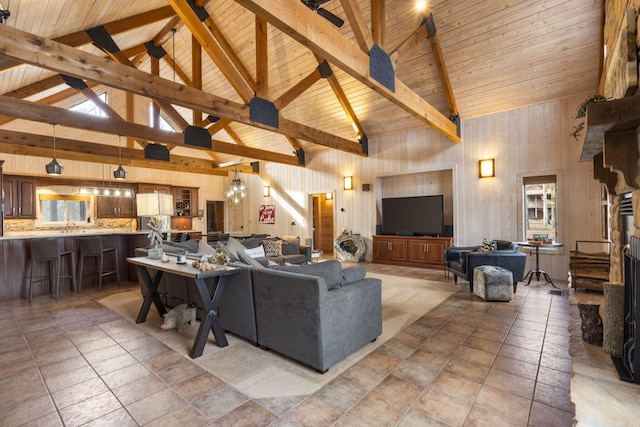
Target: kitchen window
[62,209]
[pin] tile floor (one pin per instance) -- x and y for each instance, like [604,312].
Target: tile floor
[466,363]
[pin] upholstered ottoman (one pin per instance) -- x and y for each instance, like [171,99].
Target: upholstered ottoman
[493,283]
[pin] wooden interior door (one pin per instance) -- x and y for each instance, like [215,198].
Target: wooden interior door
[323,233]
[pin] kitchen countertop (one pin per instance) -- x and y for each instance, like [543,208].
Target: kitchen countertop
[71,233]
[81,232]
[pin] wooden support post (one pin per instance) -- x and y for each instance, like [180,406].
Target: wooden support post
[613,328]
[591,322]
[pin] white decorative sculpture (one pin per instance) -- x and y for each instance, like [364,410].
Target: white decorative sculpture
[350,247]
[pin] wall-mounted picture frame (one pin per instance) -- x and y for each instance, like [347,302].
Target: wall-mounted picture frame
[267,214]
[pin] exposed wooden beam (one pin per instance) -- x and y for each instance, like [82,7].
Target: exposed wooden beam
[346,105]
[178,70]
[295,19]
[378,19]
[39,145]
[230,52]
[81,37]
[129,114]
[49,100]
[196,72]
[171,115]
[115,27]
[213,49]
[47,114]
[442,68]
[218,126]
[262,59]
[233,135]
[37,87]
[358,25]
[294,143]
[342,99]
[45,53]
[409,45]
[297,90]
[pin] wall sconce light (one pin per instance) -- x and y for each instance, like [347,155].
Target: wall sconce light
[487,168]
[348,183]
[266,191]
[328,196]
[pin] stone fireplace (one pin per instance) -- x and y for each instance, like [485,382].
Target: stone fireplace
[612,144]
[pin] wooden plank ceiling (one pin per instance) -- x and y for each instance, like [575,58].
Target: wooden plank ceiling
[467,58]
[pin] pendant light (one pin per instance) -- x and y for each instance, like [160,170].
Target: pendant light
[119,172]
[53,167]
[236,192]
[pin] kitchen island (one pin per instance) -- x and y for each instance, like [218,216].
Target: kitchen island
[15,261]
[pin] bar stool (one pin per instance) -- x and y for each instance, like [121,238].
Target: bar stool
[48,250]
[92,247]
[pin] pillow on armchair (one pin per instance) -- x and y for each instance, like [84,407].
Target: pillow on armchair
[488,245]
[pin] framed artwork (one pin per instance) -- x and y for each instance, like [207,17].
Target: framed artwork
[267,214]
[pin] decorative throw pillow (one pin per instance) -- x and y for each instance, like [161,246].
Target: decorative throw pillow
[249,261]
[250,243]
[205,249]
[235,247]
[257,252]
[231,256]
[488,245]
[290,248]
[272,248]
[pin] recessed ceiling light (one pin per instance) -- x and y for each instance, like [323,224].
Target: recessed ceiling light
[421,5]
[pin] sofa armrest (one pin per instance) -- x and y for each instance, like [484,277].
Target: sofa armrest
[454,253]
[306,250]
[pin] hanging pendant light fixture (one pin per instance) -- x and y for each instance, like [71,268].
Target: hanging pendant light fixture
[53,167]
[236,192]
[119,172]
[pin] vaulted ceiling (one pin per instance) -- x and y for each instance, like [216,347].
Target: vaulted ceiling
[275,80]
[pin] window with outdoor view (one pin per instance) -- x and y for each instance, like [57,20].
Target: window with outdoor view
[62,209]
[540,207]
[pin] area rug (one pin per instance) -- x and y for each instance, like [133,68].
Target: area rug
[265,374]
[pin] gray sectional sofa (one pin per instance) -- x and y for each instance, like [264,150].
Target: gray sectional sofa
[316,314]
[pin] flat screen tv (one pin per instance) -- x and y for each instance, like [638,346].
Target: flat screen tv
[419,216]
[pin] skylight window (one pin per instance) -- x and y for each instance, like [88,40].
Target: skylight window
[90,107]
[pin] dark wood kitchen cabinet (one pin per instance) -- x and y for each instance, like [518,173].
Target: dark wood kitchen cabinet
[19,197]
[115,207]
